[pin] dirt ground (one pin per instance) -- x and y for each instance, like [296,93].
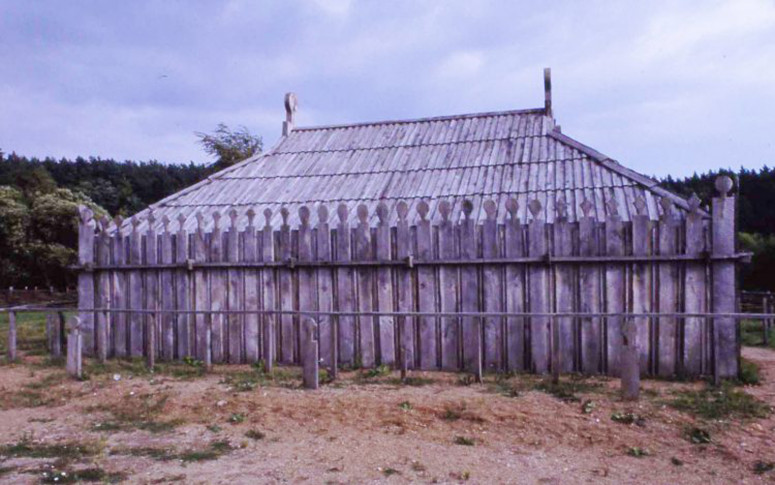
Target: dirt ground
[238,425]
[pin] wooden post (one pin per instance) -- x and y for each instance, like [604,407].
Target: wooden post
[103,291]
[492,292]
[615,291]
[515,289]
[307,299]
[119,294]
[252,291]
[326,324]
[135,282]
[426,292]
[74,365]
[450,326]
[234,334]
[696,335]
[765,322]
[363,251]
[201,296]
[641,282]
[668,292]
[167,337]
[85,276]
[405,290]
[310,354]
[268,352]
[590,292]
[345,292]
[12,336]
[386,328]
[151,291]
[564,287]
[726,352]
[540,343]
[630,368]
[218,302]
[470,330]
[286,329]
[184,322]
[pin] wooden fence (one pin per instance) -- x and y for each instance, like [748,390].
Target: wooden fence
[681,263]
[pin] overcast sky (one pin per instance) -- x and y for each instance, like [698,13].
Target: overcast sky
[663,87]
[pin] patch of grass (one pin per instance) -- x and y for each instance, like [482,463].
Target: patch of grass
[749,373]
[567,390]
[752,335]
[412,381]
[466,380]
[141,412]
[762,467]
[723,402]
[6,470]
[390,471]
[51,474]
[30,333]
[214,428]
[155,453]
[379,371]
[254,434]
[587,406]
[637,452]
[464,441]
[215,450]
[63,451]
[405,405]
[237,418]
[628,418]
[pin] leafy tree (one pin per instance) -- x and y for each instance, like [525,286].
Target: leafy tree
[230,146]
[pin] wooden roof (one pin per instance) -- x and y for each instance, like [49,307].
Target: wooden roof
[472,156]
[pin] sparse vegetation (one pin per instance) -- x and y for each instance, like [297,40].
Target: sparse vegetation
[464,441]
[66,451]
[637,452]
[142,412]
[215,450]
[628,418]
[698,436]
[749,373]
[255,434]
[717,403]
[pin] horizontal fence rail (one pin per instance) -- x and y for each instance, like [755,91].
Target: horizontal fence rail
[432,295]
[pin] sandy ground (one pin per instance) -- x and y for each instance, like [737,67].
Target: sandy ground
[369,431]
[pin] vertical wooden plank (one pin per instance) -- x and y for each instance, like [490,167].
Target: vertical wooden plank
[515,289]
[306,276]
[426,293]
[218,297]
[345,289]
[726,351]
[201,295]
[641,283]
[235,276]
[404,289]
[564,289]
[309,353]
[103,291]
[492,275]
[183,322]
[167,294]
[52,335]
[538,291]
[695,301]
[287,334]
[615,288]
[668,292]
[136,332]
[250,254]
[151,293]
[12,336]
[363,251]
[86,278]
[74,366]
[471,327]
[450,326]
[268,295]
[119,333]
[384,283]
[589,293]
[326,327]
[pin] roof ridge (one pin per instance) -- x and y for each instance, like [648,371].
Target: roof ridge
[422,120]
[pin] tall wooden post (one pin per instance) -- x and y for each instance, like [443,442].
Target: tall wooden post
[85,276]
[11,336]
[74,364]
[309,354]
[103,291]
[724,283]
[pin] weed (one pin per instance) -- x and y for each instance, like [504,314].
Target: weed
[567,390]
[451,414]
[698,436]
[677,462]
[722,402]
[324,377]
[466,380]
[628,418]
[749,373]
[139,412]
[410,381]
[64,451]
[237,418]
[192,362]
[406,405]
[637,452]
[255,434]
[464,441]
[214,428]
[214,451]
[587,406]
[418,467]
[379,371]
[158,454]
[390,471]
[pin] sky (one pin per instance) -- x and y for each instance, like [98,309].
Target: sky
[664,87]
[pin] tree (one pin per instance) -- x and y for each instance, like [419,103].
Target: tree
[230,146]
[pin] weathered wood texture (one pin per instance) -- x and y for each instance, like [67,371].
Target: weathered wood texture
[362,264]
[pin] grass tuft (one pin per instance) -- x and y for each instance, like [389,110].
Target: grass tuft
[464,441]
[718,403]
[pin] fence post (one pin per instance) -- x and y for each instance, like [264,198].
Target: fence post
[765,323]
[310,354]
[725,344]
[103,290]
[11,336]
[85,276]
[74,364]
[630,370]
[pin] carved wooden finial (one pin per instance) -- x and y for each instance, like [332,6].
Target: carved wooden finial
[233,217]
[104,223]
[382,213]
[322,213]
[85,213]
[468,208]
[304,215]
[165,223]
[490,209]
[363,213]
[118,221]
[561,207]
[640,205]
[200,218]
[586,207]
[291,106]
[667,205]
[694,203]
[267,217]
[181,221]
[251,215]
[612,206]
[444,210]
[151,219]
[341,212]
[284,213]
[135,221]
[422,209]
[216,220]
[402,209]
[535,207]
[512,207]
[548,91]
[723,185]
